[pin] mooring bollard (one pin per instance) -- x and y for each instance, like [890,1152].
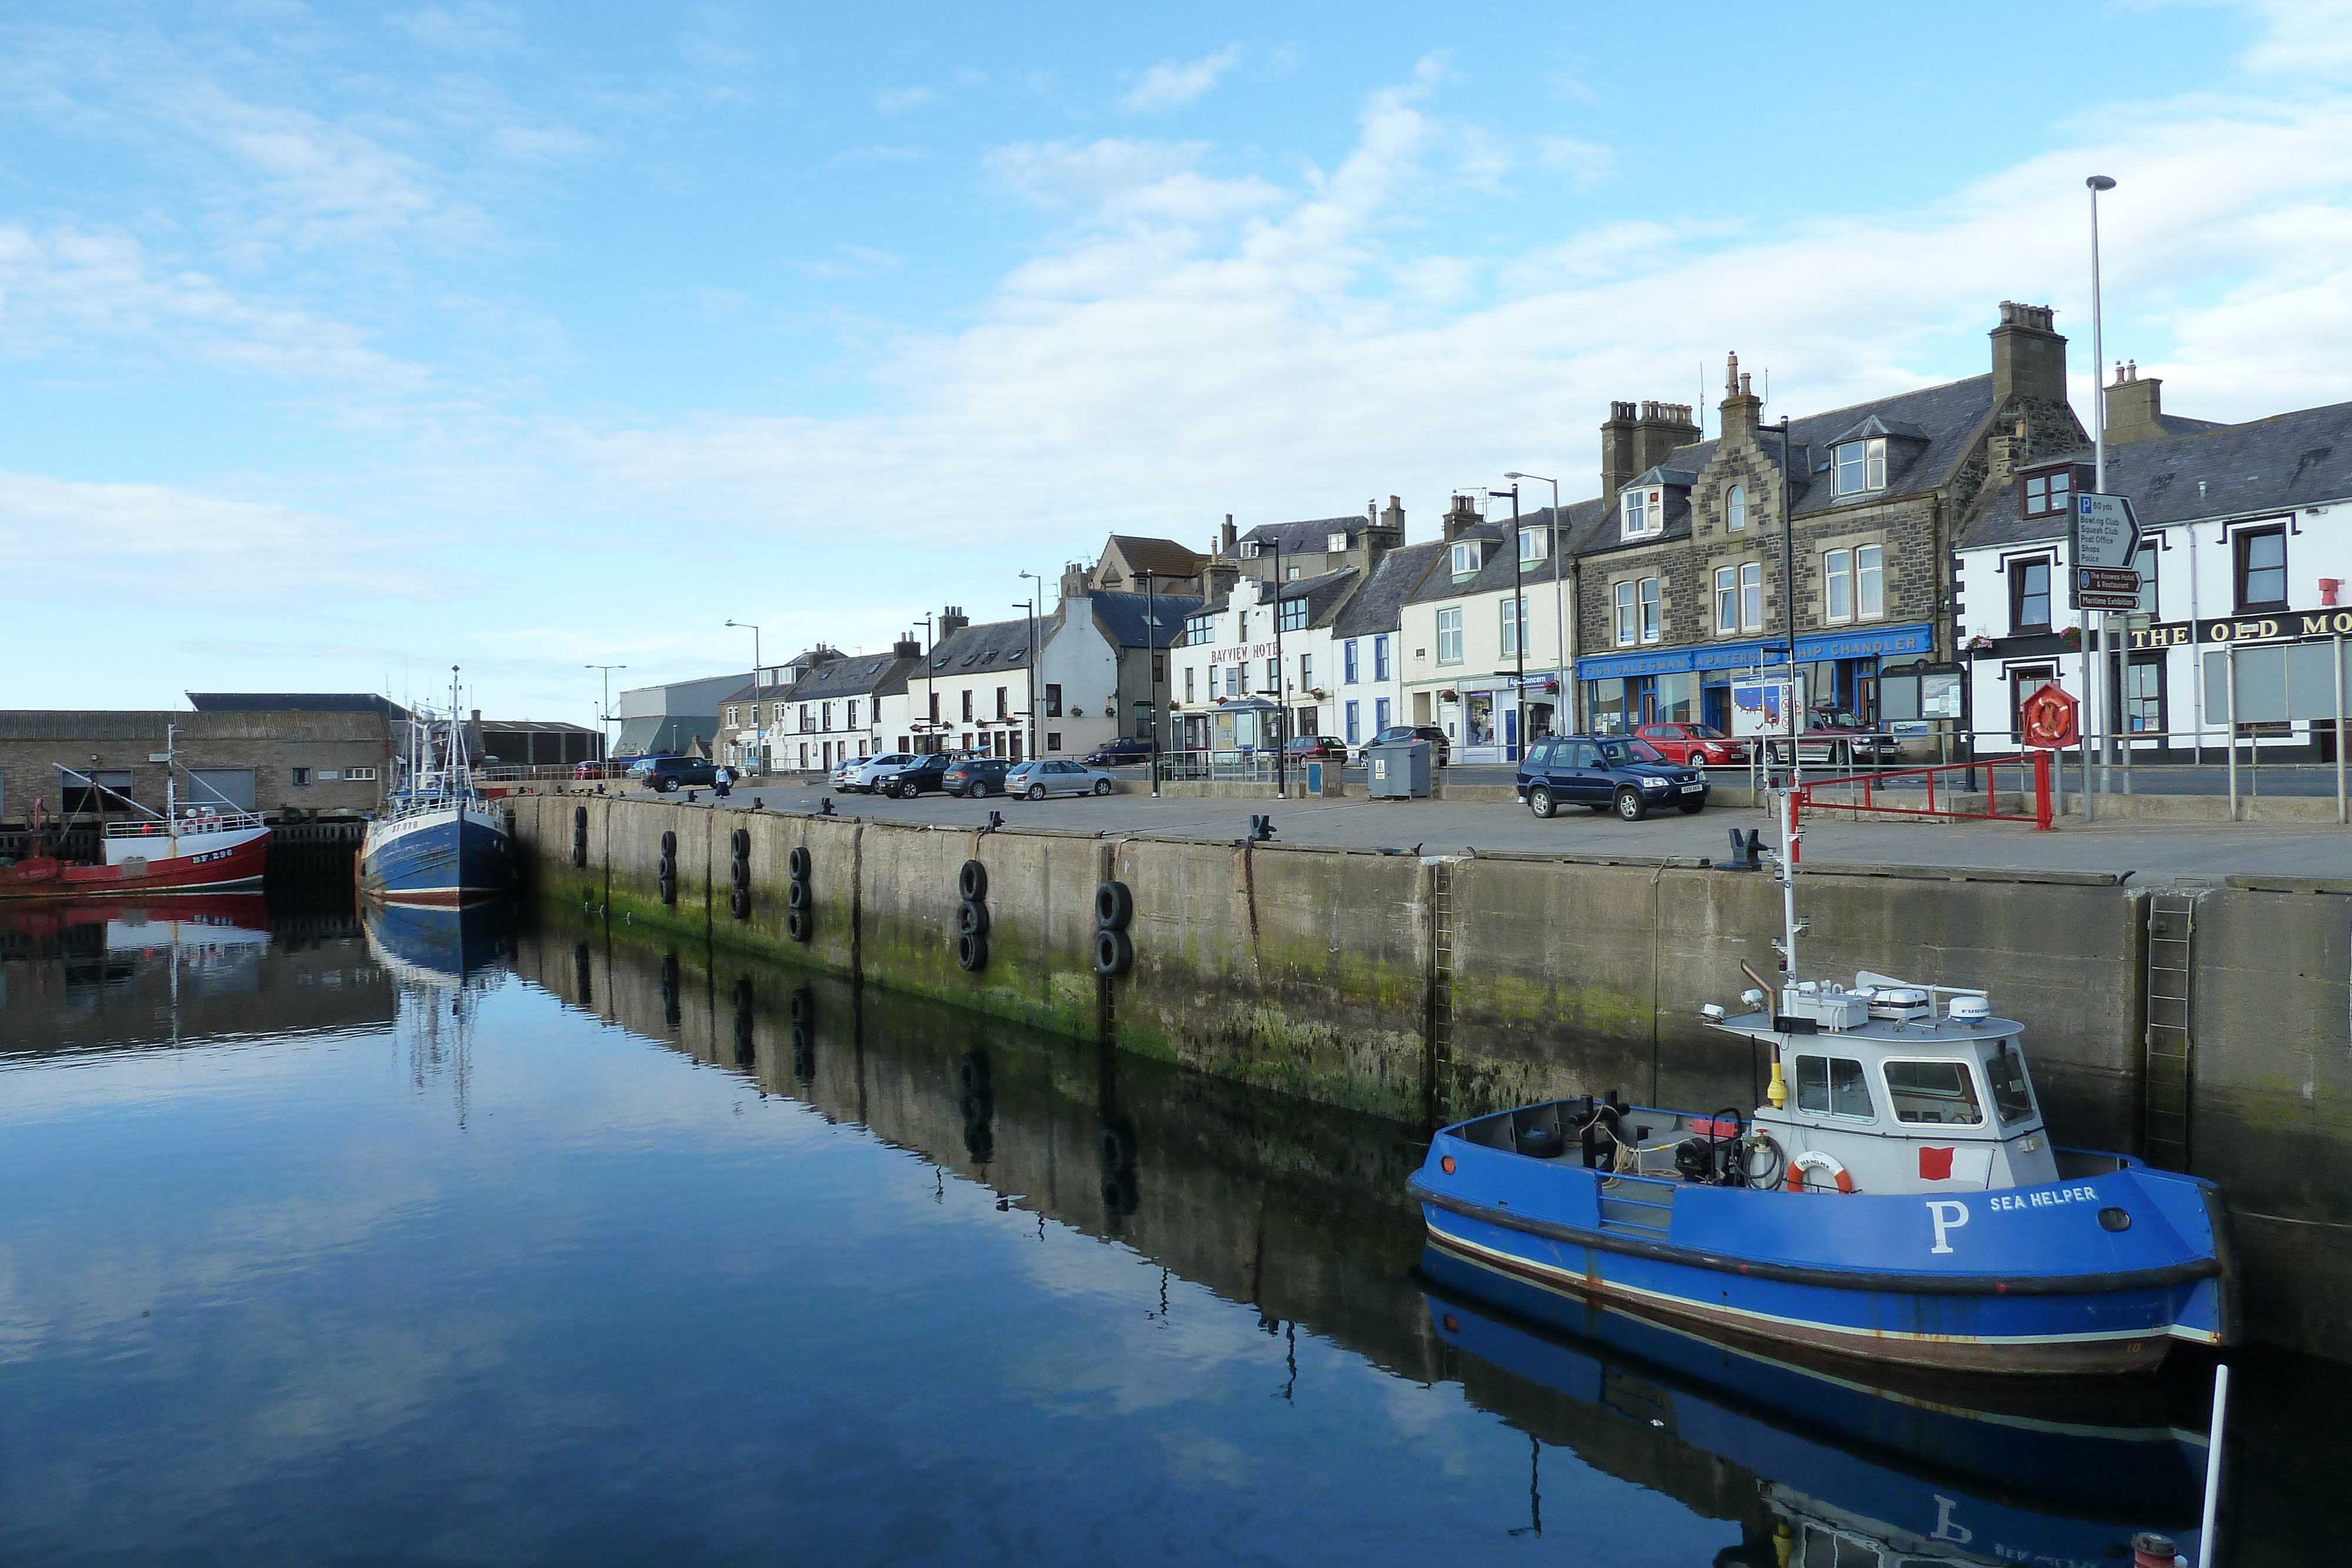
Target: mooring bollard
[2153,1549]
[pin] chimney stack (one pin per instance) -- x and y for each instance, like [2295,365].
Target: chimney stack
[1741,408]
[952,620]
[1227,541]
[2134,407]
[1074,581]
[906,648]
[1461,517]
[2029,357]
[1638,437]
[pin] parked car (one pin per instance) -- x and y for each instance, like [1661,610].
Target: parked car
[1316,748]
[1607,771]
[1043,776]
[972,777]
[1441,750]
[1700,745]
[1124,752]
[665,774]
[594,769]
[920,777]
[1828,741]
[859,775]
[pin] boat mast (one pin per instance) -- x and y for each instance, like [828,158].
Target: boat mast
[171,796]
[1788,869]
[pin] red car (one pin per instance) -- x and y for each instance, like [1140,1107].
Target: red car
[1317,747]
[1694,744]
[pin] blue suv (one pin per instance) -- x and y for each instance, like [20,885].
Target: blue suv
[1606,771]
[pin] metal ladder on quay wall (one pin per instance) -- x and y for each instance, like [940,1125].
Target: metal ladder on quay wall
[1441,1022]
[2167,1050]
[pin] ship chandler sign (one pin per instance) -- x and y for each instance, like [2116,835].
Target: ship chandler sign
[2295,625]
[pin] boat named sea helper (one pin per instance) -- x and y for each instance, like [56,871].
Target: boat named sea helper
[438,840]
[204,842]
[1904,1203]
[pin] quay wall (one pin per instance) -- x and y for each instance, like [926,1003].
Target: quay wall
[1420,990]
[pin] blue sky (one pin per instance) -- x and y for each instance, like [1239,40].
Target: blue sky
[339,344]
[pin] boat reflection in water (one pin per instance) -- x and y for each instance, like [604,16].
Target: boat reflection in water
[1903,1470]
[440,945]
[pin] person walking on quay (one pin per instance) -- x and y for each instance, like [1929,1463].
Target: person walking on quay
[723,781]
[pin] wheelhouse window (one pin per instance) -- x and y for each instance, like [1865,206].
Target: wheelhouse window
[1861,466]
[2262,570]
[2050,492]
[2029,597]
[1449,636]
[1934,1092]
[1834,1086]
[1735,509]
[2013,1094]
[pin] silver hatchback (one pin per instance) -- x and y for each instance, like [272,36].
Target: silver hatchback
[1044,776]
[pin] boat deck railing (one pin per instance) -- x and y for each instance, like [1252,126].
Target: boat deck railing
[201,822]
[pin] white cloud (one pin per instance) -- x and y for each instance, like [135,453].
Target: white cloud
[1171,84]
[157,546]
[69,284]
[895,100]
[2304,37]
[1586,163]
[466,29]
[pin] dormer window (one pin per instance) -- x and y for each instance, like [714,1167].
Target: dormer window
[1335,544]
[1531,545]
[1861,466]
[1249,550]
[1644,513]
[1467,557]
[2050,492]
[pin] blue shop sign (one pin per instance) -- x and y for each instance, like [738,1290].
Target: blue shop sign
[1877,642]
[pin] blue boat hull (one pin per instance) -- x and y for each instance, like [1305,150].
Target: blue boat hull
[442,940]
[448,854]
[2023,1280]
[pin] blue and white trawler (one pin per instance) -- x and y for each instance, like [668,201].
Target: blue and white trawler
[1897,1199]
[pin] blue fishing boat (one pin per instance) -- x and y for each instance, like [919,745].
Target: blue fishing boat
[438,840]
[1902,1202]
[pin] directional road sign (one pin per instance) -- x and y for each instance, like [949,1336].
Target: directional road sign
[2105,532]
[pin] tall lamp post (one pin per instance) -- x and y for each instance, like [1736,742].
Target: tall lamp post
[930,726]
[1559,600]
[2096,184]
[1789,617]
[1032,608]
[1152,667]
[605,713]
[1519,627]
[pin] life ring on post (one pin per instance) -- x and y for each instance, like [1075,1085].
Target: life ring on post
[2048,719]
[1814,1160]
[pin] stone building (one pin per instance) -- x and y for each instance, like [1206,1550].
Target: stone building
[1680,583]
[304,764]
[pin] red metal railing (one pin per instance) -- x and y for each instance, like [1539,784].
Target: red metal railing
[1865,791]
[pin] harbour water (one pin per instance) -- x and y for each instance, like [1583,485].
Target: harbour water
[329,1239]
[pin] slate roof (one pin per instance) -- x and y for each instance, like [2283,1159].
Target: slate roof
[2274,465]
[1498,571]
[296,702]
[1379,605]
[856,676]
[1161,557]
[1306,537]
[1122,617]
[1946,418]
[978,649]
[1325,595]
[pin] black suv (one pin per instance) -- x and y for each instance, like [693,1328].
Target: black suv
[1441,750]
[1607,770]
[920,777]
[1122,752]
[976,775]
[666,773]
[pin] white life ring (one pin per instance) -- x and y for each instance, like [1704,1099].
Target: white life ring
[1814,1160]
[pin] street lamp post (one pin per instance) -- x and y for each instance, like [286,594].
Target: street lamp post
[2097,710]
[1152,667]
[1281,688]
[1558,604]
[1789,617]
[1029,608]
[748,626]
[931,724]
[605,713]
[1518,626]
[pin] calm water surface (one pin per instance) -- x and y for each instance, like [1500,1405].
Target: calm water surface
[608,1252]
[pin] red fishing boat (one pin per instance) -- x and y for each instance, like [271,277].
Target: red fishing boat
[184,847]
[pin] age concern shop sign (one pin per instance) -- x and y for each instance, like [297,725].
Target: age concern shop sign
[2293,624]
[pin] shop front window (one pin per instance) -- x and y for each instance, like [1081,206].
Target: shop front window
[1678,699]
[1608,707]
[1478,718]
[2144,694]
